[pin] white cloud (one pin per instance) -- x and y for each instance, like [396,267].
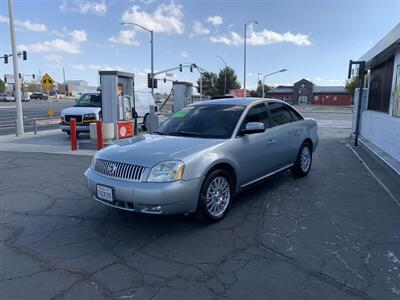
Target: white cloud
[166,18]
[63,6]
[125,37]
[184,54]
[232,38]
[97,8]
[54,58]
[262,38]
[78,36]
[72,46]
[27,24]
[199,29]
[94,67]
[215,20]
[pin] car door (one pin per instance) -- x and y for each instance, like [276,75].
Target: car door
[282,132]
[251,151]
[298,130]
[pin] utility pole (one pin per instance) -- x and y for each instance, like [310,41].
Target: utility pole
[17,94]
[361,75]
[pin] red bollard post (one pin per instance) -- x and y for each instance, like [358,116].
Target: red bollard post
[72,125]
[99,127]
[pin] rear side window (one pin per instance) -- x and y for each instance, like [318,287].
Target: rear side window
[294,114]
[279,114]
[257,113]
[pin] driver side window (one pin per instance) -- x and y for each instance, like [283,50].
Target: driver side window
[257,113]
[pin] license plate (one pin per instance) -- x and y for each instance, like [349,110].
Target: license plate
[105,193]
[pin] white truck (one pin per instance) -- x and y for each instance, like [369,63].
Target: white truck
[87,109]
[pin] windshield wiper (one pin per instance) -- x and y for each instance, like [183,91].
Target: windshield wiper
[158,132]
[190,134]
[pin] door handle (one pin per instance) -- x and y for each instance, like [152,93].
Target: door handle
[270,142]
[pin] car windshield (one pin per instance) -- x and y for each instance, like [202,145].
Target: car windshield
[89,100]
[204,121]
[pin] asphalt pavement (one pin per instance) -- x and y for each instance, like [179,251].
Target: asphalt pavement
[33,109]
[331,235]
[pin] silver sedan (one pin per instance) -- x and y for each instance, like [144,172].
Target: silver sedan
[202,156]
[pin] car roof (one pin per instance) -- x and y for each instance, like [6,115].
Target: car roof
[235,101]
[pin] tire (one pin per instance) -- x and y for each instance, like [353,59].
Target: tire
[211,209]
[146,121]
[303,162]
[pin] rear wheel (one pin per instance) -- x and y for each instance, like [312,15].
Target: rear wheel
[215,197]
[303,162]
[146,122]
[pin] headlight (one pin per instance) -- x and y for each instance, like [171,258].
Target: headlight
[89,116]
[93,163]
[167,171]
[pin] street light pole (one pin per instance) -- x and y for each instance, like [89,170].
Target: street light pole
[153,120]
[224,72]
[244,58]
[266,75]
[20,120]
[65,86]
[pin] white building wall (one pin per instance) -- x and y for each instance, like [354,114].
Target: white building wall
[383,129]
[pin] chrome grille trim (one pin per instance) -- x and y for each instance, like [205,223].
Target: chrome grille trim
[123,171]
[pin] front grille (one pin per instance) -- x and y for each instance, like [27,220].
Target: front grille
[78,118]
[119,170]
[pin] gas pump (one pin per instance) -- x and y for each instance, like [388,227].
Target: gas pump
[117,92]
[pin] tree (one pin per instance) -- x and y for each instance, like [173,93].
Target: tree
[258,91]
[352,84]
[2,86]
[209,84]
[231,81]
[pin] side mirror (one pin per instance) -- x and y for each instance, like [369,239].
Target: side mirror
[253,127]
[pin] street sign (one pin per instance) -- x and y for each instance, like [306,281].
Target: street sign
[47,82]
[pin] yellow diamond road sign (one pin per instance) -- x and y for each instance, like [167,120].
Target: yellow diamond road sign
[47,82]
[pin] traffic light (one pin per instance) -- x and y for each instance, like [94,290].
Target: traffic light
[191,68]
[5,58]
[165,80]
[155,83]
[24,55]
[33,76]
[19,75]
[180,67]
[149,85]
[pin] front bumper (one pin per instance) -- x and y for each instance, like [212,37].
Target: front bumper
[166,198]
[80,127]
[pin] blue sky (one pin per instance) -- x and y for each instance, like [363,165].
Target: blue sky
[312,39]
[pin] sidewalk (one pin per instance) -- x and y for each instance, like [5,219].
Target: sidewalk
[49,141]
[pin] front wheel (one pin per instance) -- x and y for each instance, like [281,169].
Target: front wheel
[303,162]
[215,197]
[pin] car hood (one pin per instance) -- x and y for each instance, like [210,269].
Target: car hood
[80,110]
[149,150]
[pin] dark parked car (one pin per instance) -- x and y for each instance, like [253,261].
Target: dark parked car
[39,96]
